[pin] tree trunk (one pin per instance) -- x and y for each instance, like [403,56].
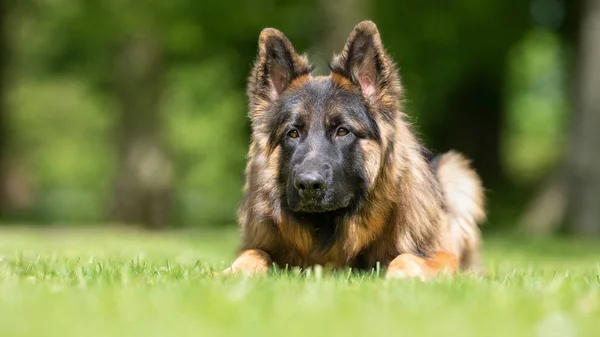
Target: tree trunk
[583,159]
[547,211]
[17,191]
[577,197]
[3,117]
[342,16]
[144,177]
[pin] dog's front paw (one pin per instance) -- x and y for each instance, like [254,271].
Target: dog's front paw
[411,266]
[406,266]
[250,262]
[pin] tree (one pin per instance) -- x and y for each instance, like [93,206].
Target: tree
[569,198]
[3,113]
[15,188]
[144,176]
[583,160]
[341,16]
[119,49]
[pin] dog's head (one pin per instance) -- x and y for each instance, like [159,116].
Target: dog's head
[326,131]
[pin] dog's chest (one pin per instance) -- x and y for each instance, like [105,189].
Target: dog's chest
[305,256]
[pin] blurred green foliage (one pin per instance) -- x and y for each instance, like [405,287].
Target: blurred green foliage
[63,113]
[537,107]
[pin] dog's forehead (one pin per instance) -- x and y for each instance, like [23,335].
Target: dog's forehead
[311,90]
[319,95]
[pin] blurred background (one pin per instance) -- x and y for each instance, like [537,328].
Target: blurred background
[134,112]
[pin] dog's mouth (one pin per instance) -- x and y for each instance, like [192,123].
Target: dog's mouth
[315,208]
[318,206]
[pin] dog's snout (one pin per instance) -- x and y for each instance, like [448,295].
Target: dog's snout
[309,184]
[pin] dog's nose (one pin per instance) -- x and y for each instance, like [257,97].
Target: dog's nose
[309,184]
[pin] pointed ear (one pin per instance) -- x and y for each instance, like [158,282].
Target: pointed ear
[365,63]
[276,66]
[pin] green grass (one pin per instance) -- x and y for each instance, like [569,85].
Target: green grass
[123,283]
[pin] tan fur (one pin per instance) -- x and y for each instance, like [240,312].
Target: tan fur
[465,199]
[251,262]
[413,221]
[410,266]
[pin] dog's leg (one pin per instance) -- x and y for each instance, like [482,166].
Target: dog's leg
[412,266]
[250,262]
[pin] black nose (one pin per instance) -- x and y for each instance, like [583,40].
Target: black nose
[309,184]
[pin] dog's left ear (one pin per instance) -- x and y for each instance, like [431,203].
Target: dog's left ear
[365,63]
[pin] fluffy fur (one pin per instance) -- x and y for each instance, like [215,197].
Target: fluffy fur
[414,216]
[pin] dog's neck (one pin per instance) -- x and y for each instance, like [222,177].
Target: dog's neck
[324,227]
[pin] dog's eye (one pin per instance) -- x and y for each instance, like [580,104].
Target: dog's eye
[341,132]
[293,133]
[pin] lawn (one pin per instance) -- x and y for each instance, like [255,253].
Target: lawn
[107,282]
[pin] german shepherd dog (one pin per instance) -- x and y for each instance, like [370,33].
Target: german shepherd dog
[336,177]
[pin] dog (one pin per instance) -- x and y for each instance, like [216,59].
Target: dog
[337,177]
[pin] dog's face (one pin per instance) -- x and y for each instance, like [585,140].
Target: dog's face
[319,126]
[328,143]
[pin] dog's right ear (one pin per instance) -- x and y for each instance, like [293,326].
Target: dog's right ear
[276,67]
